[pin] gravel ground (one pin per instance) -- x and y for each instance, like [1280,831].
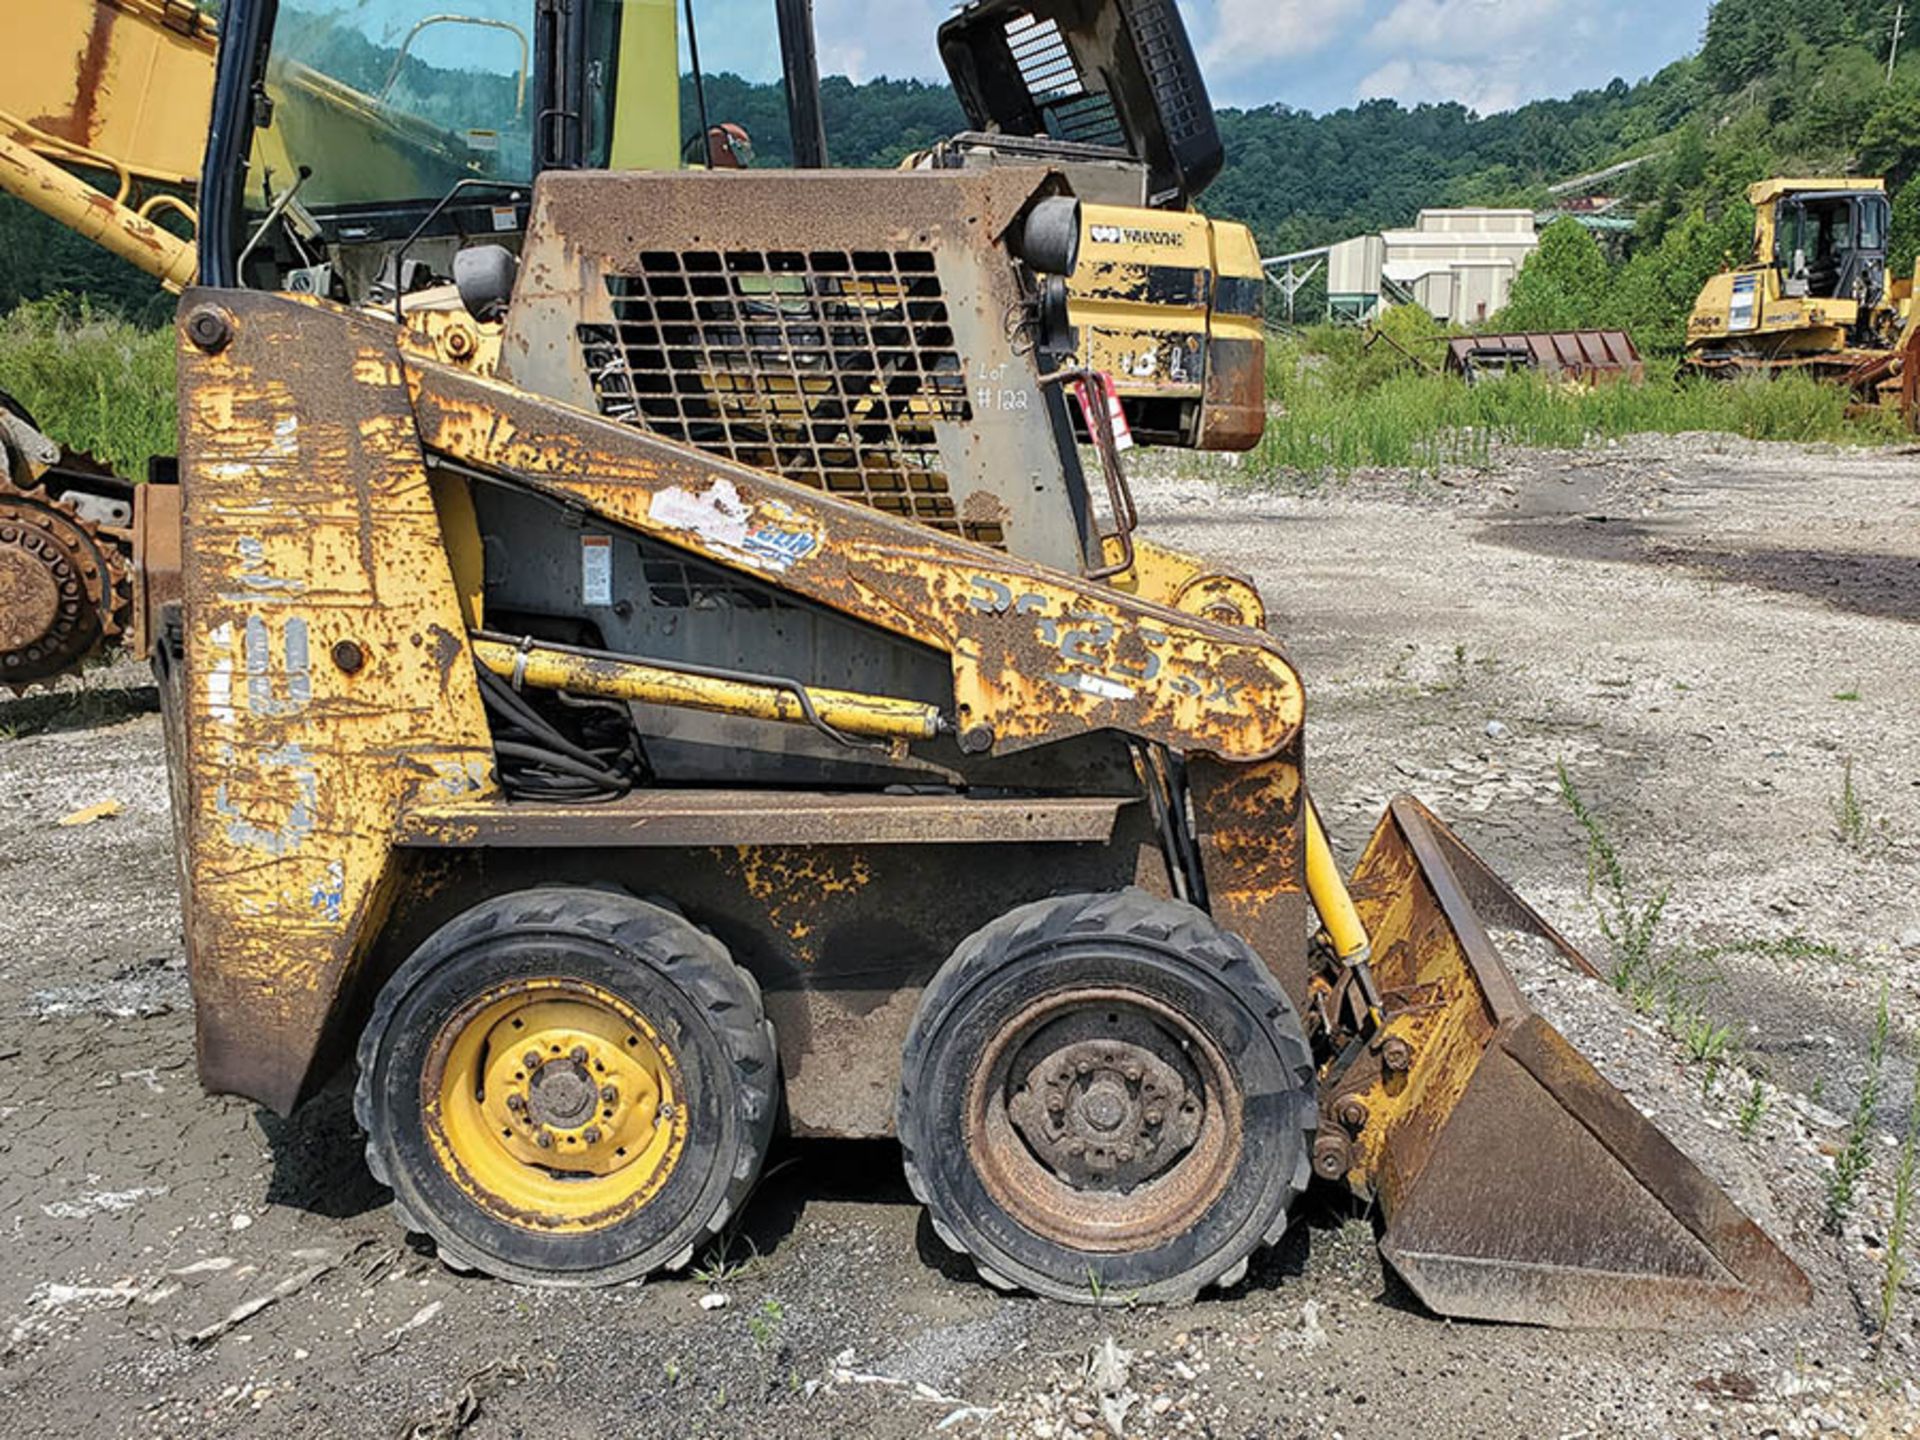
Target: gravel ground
[1709,636]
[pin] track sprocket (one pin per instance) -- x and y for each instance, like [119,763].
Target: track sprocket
[65,588]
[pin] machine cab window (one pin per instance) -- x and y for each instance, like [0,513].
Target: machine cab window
[1832,246]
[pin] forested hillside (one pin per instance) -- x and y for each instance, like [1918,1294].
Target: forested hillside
[1779,85]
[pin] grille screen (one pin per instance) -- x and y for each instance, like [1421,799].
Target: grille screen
[830,368]
[1059,92]
[1156,33]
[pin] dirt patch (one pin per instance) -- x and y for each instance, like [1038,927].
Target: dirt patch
[1859,582]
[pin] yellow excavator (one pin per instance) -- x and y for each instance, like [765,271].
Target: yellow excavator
[647,663]
[1815,296]
[112,101]
[102,125]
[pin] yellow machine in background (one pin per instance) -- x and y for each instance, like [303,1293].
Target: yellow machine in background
[1815,295]
[1167,303]
[104,122]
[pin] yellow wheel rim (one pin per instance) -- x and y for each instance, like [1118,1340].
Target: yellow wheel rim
[555,1105]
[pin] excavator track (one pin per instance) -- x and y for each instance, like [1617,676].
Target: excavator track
[66,590]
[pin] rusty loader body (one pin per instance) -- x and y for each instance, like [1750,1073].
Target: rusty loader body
[105,119]
[700,683]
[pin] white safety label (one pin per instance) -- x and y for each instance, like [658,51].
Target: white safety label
[596,569]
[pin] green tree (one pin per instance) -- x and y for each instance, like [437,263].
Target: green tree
[1654,292]
[1905,241]
[1564,285]
[1889,141]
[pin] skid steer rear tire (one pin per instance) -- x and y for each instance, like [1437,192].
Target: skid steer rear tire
[655,1088]
[1098,1021]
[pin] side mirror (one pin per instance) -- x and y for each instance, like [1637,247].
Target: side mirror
[484,276]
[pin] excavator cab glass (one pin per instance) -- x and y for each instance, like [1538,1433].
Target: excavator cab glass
[1832,246]
[390,101]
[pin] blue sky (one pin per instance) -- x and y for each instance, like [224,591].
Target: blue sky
[1316,54]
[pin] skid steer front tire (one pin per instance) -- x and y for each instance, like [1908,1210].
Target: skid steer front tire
[567,1087]
[1107,1098]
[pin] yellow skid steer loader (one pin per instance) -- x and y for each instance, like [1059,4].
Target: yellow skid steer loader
[645,662]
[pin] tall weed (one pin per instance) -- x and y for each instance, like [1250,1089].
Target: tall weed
[94,382]
[1340,406]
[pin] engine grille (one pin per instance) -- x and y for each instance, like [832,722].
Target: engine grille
[831,368]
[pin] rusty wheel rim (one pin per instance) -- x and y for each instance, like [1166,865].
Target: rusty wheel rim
[555,1105]
[1103,1120]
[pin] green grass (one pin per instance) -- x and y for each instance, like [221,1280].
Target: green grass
[94,382]
[1628,919]
[1906,1193]
[1856,1156]
[1341,407]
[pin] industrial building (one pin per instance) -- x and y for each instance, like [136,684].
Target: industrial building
[1457,265]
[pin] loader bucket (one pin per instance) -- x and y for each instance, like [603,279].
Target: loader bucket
[1515,1183]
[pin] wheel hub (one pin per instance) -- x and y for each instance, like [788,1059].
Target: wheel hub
[561,1094]
[1107,1111]
[557,1108]
[30,599]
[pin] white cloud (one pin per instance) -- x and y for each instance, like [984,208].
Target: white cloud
[1250,33]
[866,39]
[1490,55]
[1467,29]
[1484,87]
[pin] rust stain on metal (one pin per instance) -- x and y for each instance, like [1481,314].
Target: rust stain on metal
[1577,355]
[799,890]
[80,124]
[1033,1047]
[292,793]
[1037,656]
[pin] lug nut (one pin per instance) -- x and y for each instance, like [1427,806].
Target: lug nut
[1154,1117]
[1396,1054]
[591,1135]
[1331,1156]
[1056,1102]
[516,1103]
[665,1112]
[1352,1113]
[578,1055]
[543,1139]
[608,1095]
[531,1060]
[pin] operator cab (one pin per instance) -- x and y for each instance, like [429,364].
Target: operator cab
[1832,245]
[357,148]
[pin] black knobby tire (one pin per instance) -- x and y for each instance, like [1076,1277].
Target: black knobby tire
[1180,965]
[680,978]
